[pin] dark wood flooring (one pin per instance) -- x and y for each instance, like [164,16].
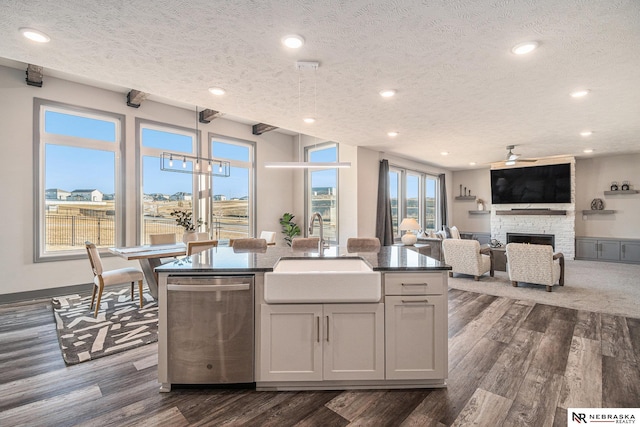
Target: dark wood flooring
[511,363]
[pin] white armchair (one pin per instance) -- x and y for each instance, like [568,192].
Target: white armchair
[535,264]
[466,257]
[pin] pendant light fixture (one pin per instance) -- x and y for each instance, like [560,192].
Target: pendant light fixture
[195,165]
[300,66]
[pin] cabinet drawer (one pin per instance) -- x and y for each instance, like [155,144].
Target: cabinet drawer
[415,283]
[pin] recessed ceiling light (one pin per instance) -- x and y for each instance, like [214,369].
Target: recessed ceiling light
[444,153]
[387,93]
[392,134]
[472,163]
[524,48]
[586,133]
[580,93]
[309,120]
[293,41]
[587,150]
[217,91]
[35,35]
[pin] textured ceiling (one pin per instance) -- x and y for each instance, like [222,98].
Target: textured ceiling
[460,89]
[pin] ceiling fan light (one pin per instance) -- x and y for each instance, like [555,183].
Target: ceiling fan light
[510,162]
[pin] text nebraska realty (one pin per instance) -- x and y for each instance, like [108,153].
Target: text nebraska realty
[611,418]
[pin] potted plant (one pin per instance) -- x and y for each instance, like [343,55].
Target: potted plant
[289,228]
[185,220]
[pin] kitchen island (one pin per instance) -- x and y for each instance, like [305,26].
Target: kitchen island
[396,338]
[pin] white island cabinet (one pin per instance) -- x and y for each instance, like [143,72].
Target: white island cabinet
[400,342]
[416,326]
[318,342]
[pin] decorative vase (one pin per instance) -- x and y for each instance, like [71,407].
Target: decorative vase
[480,206]
[625,185]
[189,236]
[614,186]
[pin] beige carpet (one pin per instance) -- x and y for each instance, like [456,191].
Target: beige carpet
[603,287]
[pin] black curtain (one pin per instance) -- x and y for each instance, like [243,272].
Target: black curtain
[384,223]
[443,200]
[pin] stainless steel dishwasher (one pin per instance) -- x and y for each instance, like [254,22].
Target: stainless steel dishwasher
[210,337]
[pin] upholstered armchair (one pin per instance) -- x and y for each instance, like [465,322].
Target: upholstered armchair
[466,257]
[534,264]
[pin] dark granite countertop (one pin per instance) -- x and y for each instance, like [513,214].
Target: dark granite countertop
[225,259]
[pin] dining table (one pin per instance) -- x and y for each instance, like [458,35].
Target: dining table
[150,257]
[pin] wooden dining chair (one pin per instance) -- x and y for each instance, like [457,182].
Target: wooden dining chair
[269,236]
[162,239]
[202,235]
[103,278]
[196,246]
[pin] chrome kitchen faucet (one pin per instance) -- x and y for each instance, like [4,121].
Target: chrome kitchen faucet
[321,241]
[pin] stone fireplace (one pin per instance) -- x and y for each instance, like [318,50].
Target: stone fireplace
[548,219]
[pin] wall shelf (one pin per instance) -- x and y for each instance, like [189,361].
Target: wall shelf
[465,197]
[598,212]
[479,212]
[613,193]
[532,212]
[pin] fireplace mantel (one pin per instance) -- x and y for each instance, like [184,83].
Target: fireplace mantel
[532,212]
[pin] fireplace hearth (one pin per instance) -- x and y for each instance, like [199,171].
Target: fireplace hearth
[534,239]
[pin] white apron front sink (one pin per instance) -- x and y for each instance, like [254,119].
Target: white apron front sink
[322,280]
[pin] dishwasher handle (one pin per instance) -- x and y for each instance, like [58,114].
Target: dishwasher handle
[210,288]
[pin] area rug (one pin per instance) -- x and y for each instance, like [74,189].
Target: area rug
[121,324]
[603,287]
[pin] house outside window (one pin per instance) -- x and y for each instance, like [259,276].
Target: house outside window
[232,201]
[321,191]
[78,164]
[163,192]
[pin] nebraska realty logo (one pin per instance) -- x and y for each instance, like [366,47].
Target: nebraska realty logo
[582,416]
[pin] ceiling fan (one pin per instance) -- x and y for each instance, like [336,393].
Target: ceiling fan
[513,158]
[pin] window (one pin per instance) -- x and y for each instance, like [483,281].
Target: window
[322,190]
[413,195]
[232,200]
[164,191]
[79,193]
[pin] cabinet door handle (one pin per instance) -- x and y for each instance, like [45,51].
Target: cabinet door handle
[622,248]
[415,284]
[327,328]
[318,328]
[415,301]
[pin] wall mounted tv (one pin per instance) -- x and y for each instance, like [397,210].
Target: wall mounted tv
[534,184]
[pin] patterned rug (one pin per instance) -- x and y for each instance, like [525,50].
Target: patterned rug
[121,324]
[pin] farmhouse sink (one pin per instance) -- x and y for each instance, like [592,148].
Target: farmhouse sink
[320,280]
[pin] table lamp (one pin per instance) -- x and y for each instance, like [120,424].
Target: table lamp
[409,224]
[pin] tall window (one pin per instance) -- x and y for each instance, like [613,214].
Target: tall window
[413,195]
[164,191]
[322,190]
[78,164]
[232,197]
